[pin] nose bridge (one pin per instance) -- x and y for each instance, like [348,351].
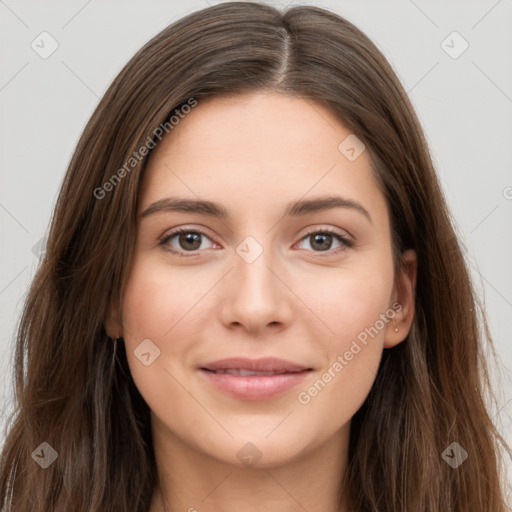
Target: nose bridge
[257,297]
[254,258]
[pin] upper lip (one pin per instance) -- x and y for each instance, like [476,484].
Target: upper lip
[265,364]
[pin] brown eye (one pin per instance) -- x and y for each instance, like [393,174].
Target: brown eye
[187,240]
[322,241]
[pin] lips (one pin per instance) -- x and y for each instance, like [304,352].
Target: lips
[245,373]
[254,379]
[266,364]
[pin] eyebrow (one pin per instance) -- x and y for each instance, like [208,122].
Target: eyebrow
[293,209]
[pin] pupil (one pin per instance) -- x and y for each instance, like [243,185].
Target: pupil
[190,238]
[325,237]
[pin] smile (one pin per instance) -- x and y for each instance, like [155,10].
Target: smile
[253,385]
[247,373]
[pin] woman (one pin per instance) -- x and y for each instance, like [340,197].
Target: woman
[316,347]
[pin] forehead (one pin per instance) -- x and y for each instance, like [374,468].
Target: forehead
[255,150]
[260,125]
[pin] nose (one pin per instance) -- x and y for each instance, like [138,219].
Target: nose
[255,294]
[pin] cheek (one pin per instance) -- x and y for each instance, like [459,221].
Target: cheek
[165,306]
[158,299]
[155,306]
[147,305]
[349,300]
[359,305]
[358,301]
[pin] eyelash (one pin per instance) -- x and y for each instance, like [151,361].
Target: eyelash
[346,242]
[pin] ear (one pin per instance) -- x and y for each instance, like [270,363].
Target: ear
[404,294]
[113,326]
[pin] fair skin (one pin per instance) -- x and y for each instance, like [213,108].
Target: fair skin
[304,299]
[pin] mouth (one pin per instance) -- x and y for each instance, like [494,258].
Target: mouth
[242,372]
[248,379]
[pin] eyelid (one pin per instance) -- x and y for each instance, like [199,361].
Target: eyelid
[331,230]
[344,238]
[162,241]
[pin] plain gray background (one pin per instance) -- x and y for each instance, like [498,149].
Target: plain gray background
[463,99]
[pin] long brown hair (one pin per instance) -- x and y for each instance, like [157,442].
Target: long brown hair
[75,393]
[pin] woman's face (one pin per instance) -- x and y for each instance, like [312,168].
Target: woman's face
[278,275]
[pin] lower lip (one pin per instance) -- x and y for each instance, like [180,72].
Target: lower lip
[255,387]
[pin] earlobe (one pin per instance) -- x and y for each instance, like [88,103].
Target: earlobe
[405,293]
